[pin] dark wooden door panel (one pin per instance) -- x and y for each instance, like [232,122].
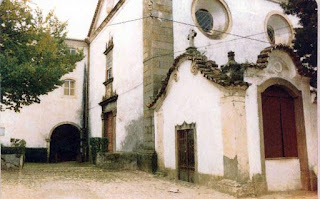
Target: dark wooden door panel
[289,127]
[272,127]
[186,163]
[109,130]
[279,125]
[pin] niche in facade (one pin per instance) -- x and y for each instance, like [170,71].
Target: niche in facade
[278,29]
[212,17]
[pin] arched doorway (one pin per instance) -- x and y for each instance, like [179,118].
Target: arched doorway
[65,143]
[293,155]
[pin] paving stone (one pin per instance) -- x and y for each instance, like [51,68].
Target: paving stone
[82,181]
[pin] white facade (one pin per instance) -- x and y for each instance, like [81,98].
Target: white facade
[191,98]
[127,71]
[247,18]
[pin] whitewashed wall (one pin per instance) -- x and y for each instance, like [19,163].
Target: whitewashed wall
[283,174]
[193,99]
[127,70]
[248,18]
[256,78]
[35,122]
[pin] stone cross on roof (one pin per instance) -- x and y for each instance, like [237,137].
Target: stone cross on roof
[191,36]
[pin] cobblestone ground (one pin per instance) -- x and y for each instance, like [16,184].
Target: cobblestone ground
[85,181]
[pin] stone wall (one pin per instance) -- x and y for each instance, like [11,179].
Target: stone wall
[12,161]
[157,57]
[115,161]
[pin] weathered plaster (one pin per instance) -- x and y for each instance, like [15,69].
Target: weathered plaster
[283,174]
[133,139]
[204,97]
[298,86]
[127,73]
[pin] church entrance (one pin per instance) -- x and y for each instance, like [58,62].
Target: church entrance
[65,143]
[279,124]
[283,162]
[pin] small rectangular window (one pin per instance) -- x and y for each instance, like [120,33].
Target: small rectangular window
[109,65]
[69,87]
[72,51]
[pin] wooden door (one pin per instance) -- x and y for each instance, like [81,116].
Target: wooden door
[279,126]
[109,130]
[186,161]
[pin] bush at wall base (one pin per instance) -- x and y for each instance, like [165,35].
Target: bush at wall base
[98,144]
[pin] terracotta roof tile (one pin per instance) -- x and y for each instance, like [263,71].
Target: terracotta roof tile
[208,68]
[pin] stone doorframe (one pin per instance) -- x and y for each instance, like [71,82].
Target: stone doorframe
[300,127]
[109,105]
[48,139]
[186,126]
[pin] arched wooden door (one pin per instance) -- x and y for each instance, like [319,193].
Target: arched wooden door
[279,124]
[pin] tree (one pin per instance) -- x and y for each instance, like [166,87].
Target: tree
[33,54]
[305,42]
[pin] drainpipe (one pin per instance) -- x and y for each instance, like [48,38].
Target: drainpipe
[86,105]
[2,132]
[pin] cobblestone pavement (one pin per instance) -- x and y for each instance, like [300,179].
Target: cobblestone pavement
[82,181]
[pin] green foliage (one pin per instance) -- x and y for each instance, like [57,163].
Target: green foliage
[17,147]
[305,42]
[18,142]
[98,145]
[33,54]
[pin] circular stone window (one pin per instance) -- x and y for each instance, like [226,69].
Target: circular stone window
[212,17]
[278,29]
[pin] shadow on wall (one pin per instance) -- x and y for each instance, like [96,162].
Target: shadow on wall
[134,135]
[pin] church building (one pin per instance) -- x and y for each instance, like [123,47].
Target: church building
[208,91]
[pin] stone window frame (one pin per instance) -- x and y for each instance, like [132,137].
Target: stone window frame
[187,126]
[109,60]
[69,88]
[109,64]
[270,14]
[72,51]
[227,29]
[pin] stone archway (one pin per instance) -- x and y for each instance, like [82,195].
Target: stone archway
[299,125]
[64,143]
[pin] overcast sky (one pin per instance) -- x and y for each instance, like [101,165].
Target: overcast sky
[78,13]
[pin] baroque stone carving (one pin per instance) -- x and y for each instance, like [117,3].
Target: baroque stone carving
[185,125]
[175,76]
[150,4]
[191,36]
[194,69]
[277,67]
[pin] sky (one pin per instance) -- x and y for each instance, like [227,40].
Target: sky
[78,14]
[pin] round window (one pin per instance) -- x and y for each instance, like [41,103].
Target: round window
[204,19]
[212,17]
[270,32]
[278,29]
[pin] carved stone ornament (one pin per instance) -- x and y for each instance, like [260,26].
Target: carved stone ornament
[175,76]
[150,3]
[185,125]
[194,69]
[277,67]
